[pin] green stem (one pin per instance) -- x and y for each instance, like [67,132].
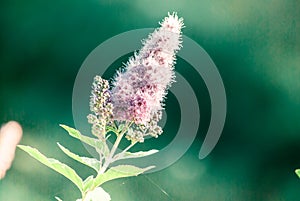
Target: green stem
[83,196]
[120,155]
[127,148]
[109,159]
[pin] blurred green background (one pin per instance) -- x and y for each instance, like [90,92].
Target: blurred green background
[255,45]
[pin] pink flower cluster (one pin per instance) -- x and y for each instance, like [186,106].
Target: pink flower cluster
[138,92]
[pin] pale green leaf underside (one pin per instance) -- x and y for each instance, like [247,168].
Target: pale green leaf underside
[96,143]
[119,171]
[91,162]
[298,172]
[54,164]
[139,154]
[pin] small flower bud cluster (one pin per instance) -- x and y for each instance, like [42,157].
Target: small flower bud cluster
[150,129]
[101,106]
[154,130]
[135,135]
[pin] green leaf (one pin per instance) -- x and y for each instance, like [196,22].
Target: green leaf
[96,143]
[88,184]
[91,162]
[58,199]
[110,128]
[54,164]
[139,154]
[119,171]
[120,128]
[298,172]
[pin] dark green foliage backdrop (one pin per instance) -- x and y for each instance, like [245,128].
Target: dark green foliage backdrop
[255,45]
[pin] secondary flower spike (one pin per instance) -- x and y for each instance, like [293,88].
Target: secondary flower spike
[138,92]
[100,106]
